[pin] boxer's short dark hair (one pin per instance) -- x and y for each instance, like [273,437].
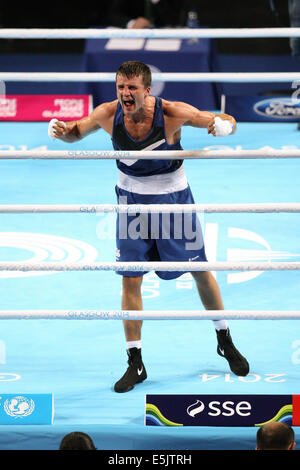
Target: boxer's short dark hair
[135,68]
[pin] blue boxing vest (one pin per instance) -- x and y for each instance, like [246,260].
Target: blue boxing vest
[155,140]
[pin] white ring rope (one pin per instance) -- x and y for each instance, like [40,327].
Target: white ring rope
[255,77]
[187,266]
[149,208]
[149,315]
[109,33]
[262,153]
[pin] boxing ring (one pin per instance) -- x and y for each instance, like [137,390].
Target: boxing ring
[57,243]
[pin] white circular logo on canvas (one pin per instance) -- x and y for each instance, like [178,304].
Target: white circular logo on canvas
[44,247]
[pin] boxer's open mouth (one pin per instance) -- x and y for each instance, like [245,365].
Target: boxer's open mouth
[128,103]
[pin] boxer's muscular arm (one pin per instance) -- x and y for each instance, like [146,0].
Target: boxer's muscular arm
[178,114]
[72,131]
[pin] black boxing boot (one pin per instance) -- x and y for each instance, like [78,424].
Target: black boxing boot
[237,363]
[134,374]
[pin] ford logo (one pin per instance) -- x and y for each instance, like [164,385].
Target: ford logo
[283,108]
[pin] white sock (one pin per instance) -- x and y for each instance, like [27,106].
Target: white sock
[134,344]
[220,324]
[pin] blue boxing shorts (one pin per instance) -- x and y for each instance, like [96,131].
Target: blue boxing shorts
[158,237]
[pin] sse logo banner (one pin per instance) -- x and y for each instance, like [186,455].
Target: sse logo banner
[221,410]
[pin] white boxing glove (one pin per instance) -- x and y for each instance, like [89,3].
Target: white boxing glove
[51,127]
[222,127]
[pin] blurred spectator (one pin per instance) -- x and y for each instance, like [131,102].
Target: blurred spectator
[143,13]
[294,12]
[275,436]
[77,441]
